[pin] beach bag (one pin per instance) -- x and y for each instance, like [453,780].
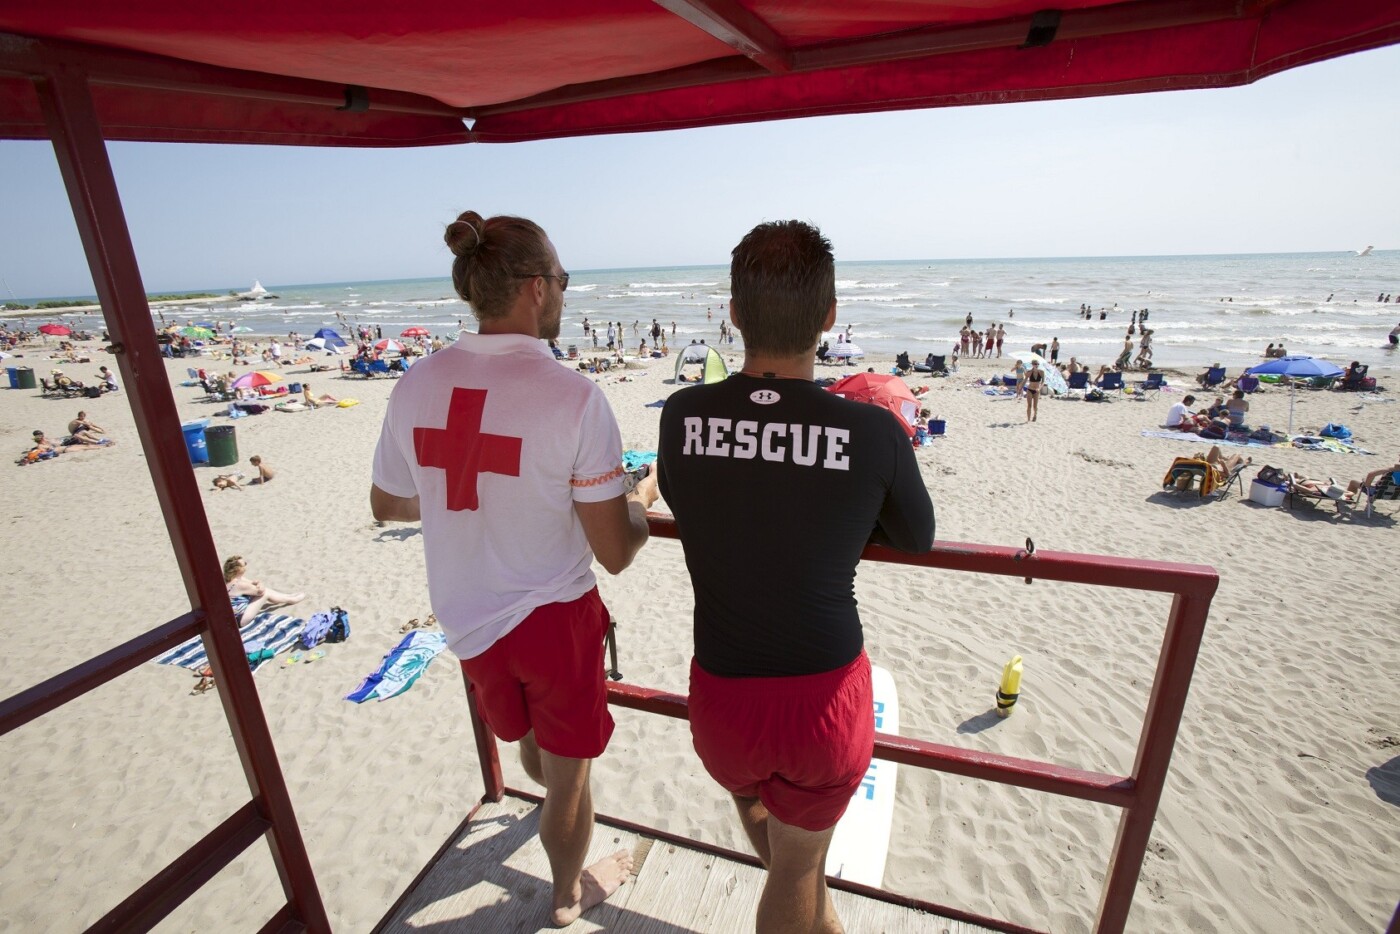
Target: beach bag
[1266,434]
[1217,430]
[1340,432]
[1094,395]
[340,625]
[316,629]
[1272,476]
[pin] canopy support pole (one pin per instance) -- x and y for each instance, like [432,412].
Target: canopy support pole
[66,100]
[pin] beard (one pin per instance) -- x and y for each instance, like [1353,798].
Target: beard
[550,320]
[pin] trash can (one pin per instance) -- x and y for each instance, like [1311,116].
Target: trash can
[13,373]
[194,441]
[25,375]
[223,445]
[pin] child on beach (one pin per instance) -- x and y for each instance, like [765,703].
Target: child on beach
[265,473]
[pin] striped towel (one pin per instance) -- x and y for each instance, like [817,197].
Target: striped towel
[271,630]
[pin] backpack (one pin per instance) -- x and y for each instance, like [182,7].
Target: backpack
[1094,395]
[1217,430]
[340,625]
[1340,432]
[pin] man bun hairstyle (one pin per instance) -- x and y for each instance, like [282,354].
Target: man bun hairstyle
[493,259]
[783,282]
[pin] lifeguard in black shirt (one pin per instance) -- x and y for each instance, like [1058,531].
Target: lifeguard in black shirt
[777,486]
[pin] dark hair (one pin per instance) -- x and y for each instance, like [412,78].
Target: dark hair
[494,257]
[782,279]
[1188,399]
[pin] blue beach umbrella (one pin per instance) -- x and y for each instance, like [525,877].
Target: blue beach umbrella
[1296,367]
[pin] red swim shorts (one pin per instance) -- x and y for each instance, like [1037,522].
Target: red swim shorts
[546,675]
[799,744]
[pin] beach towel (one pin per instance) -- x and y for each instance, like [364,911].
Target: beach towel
[404,665]
[632,460]
[270,631]
[1241,439]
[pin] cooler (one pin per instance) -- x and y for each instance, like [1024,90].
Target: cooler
[936,426]
[13,373]
[1265,494]
[194,441]
[223,445]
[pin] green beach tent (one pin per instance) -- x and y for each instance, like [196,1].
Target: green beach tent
[705,355]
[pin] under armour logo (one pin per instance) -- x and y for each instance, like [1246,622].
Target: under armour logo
[764,396]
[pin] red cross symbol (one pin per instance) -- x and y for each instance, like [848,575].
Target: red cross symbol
[463,451]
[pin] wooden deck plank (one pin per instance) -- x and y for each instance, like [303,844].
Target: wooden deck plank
[495,878]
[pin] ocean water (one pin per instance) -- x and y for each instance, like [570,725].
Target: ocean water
[1224,308]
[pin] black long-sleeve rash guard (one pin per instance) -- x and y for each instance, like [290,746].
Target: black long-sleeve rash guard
[777,486]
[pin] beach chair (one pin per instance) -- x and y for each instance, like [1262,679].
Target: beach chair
[1248,383]
[1079,380]
[903,363]
[1384,490]
[1357,382]
[1213,377]
[1295,492]
[1113,380]
[1152,385]
[1200,476]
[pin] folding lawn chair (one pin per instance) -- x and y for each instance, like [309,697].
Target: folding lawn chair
[1152,385]
[1113,380]
[1385,489]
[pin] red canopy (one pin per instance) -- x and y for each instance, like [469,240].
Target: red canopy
[314,72]
[881,389]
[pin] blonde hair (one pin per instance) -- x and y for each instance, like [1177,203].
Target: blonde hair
[493,256]
[231,566]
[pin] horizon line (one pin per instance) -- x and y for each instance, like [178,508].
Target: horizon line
[228,291]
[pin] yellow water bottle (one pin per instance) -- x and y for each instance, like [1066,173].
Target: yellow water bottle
[1010,687]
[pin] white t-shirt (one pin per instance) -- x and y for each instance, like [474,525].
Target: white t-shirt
[1177,414]
[503,538]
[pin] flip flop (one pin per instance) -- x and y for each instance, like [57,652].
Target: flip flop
[293,658]
[311,657]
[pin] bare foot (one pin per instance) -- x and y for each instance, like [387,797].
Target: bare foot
[595,884]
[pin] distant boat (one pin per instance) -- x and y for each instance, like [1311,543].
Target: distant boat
[1365,252]
[253,294]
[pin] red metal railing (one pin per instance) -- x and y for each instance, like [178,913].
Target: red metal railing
[67,105]
[1137,793]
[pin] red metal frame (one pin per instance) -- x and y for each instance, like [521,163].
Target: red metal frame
[1137,793]
[66,100]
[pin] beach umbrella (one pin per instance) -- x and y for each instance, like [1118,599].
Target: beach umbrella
[196,333]
[57,330]
[321,343]
[1053,377]
[255,379]
[1296,367]
[389,344]
[414,331]
[330,336]
[884,390]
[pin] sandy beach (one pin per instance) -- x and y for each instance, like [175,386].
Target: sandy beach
[1280,813]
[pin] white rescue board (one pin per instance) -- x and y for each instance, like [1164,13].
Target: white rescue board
[862,838]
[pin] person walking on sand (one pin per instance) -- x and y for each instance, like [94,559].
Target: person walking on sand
[516,501]
[780,696]
[1035,379]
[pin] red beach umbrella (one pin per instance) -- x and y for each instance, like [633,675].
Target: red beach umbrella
[57,330]
[389,344]
[414,331]
[881,389]
[255,379]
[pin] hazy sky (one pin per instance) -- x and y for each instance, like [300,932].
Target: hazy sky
[1306,160]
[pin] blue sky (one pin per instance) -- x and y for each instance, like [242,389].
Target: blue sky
[1305,160]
